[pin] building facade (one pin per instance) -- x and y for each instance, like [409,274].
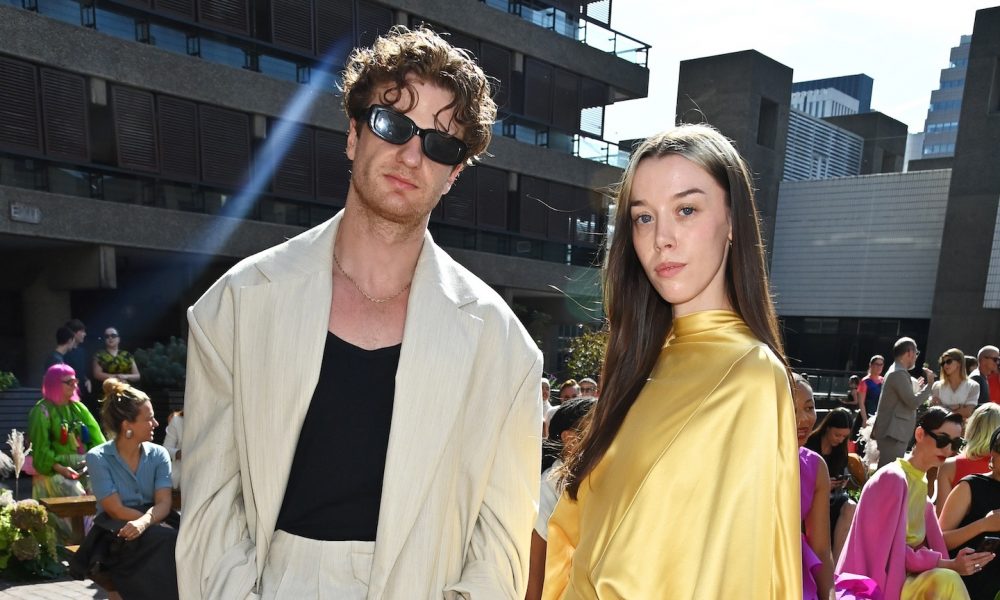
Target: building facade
[816,149]
[824,102]
[148,145]
[941,125]
[858,87]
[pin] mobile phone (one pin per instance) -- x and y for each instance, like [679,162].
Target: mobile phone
[989,543]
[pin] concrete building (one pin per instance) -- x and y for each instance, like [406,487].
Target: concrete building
[885,140]
[941,125]
[857,87]
[816,149]
[854,263]
[146,147]
[967,291]
[824,102]
[746,96]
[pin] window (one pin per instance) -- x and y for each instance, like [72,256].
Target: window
[767,123]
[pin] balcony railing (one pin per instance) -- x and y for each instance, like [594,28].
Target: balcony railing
[532,132]
[580,27]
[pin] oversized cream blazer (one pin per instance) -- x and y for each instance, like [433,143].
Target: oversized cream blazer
[461,479]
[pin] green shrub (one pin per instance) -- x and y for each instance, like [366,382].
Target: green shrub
[163,365]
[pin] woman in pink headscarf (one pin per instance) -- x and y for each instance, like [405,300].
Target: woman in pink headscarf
[62,430]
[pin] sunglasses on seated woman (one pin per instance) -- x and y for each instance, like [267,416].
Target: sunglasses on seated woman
[941,440]
[396,128]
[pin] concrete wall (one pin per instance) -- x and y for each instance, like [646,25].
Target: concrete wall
[728,91]
[885,140]
[959,317]
[862,246]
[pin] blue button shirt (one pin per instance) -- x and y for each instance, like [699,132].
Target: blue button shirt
[109,474]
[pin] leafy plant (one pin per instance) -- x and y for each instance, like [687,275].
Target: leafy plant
[7,381]
[586,354]
[163,365]
[27,541]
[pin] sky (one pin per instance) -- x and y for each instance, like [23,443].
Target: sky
[902,45]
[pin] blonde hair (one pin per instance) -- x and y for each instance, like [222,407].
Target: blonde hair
[979,430]
[121,402]
[955,354]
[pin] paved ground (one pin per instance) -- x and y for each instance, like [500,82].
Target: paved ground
[66,589]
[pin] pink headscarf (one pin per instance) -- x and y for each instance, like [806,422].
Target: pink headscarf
[52,385]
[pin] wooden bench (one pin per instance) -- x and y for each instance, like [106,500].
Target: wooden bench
[15,404]
[74,508]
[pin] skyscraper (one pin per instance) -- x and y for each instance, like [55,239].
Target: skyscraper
[941,125]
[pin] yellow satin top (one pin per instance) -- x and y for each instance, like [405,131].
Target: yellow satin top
[698,495]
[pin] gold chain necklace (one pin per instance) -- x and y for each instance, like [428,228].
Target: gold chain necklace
[365,294]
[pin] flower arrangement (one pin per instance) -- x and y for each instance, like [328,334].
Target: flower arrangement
[27,541]
[18,451]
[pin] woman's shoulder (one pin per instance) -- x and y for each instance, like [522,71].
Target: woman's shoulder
[156,450]
[99,451]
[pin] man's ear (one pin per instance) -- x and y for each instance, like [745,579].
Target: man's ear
[352,138]
[452,177]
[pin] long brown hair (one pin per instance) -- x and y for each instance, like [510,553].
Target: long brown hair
[638,318]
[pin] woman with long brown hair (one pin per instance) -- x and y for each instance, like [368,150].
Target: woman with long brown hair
[686,483]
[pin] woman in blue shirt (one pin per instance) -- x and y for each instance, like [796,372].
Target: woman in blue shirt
[130,477]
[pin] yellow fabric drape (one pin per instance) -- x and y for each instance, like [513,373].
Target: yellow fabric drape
[698,495]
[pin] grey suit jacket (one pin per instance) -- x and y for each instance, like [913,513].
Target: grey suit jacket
[896,417]
[461,479]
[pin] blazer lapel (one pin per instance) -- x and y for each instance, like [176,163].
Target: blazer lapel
[281,336]
[439,341]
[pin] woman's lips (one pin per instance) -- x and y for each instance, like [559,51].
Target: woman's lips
[669,269]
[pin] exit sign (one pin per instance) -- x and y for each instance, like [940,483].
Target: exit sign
[25,213]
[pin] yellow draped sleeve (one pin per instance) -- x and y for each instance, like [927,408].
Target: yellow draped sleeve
[698,495]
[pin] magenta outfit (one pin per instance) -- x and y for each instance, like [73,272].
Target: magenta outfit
[809,462]
[876,550]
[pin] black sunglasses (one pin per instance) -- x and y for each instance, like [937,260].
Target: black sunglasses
[396,128]
[948,361]
[941,440]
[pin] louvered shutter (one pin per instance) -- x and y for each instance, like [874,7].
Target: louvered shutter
[178,128]
[495,62]
[333,168]
[491,197]
[537,90]
[373,21]
[294,176]
[183,8]
[534,194]
[20,119]
[64,114]
[225,145]
[560,218]
[334,30]
[135,129]
[231,15]
[565,101]
[292,24]
[459,204]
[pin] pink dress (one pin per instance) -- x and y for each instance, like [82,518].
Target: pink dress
[809,462]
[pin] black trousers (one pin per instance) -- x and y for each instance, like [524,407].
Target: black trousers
[143,568]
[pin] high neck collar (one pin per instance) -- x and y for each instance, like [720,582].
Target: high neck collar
[706,320]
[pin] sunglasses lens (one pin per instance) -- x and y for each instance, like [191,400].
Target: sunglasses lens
[391,127]
[444,149]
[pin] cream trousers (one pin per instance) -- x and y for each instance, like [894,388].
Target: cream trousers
[305,569]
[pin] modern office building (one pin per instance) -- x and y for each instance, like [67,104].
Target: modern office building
[147,145]
[824,102]
[855,87]
[816,149]
[854,264]
[941,125]
[885,140]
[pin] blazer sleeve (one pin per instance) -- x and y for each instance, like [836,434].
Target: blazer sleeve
[984,388]
[216,555]
[496,564]
[902,388]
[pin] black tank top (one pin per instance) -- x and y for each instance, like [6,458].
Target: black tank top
[985,584]
[335,485]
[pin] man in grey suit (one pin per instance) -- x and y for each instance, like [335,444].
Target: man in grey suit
[897,410]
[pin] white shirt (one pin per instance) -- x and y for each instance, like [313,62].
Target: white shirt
[172,442]
[966,394]
[547,499]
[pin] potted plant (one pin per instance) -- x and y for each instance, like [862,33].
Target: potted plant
[27,541]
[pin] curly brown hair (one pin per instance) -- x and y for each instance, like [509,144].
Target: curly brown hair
[423,53]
